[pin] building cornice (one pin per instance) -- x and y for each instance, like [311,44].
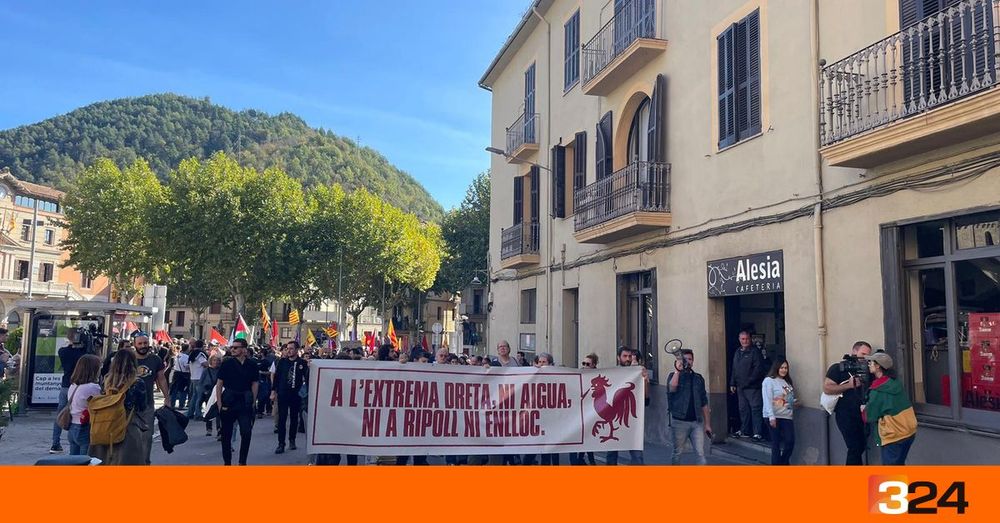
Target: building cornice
[514,41]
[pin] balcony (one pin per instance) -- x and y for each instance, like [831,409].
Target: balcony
[40,289]
[519,246]
[623,46]
[633,200]
[522,138]
[931,85]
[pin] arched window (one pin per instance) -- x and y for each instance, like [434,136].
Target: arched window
[638,141]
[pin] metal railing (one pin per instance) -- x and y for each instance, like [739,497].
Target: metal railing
[523,130]
[636,19]
[640,186]
[933,62]
[519,239]
[42,288]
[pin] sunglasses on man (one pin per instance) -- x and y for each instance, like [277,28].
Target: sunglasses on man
[586,364]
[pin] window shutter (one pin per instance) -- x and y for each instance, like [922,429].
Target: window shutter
[604,153]
[753,75]
[656,145]
[559,181]
[580,161]
[727,89]
[909,12]
[518,200]
[533,180]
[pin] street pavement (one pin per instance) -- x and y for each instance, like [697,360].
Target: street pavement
[29,436]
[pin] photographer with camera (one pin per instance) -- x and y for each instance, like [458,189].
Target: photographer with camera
[848,378]
[687,400]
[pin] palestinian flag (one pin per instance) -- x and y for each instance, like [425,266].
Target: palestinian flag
[241,331]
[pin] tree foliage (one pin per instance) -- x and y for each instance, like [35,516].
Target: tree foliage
[166,129]
[109,219]
[466,232]
[235,223]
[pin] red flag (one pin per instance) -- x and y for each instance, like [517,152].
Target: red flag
[130,327]
[423,343]
[218,337]
[162,336]
[274,334]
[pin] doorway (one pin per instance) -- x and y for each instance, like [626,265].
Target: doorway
[763,316]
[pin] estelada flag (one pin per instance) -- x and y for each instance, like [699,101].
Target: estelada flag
[331,331]
[215,335]
[310,338]
[293,317]
[392,336]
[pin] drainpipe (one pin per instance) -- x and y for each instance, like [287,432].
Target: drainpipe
[548,142]
[818,211]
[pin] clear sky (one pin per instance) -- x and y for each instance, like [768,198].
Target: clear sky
[399,76]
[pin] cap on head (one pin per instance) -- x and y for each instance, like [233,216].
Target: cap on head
[882,358]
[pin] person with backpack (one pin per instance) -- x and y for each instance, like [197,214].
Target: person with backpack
[117,432]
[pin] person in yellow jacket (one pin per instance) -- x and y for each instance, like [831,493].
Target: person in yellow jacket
[889,410]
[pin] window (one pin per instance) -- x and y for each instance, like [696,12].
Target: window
[439,316]
[47,271]
[50,237]
[529,105]
[215,308]
[948,308]
[477,301]
[23,269]
[604,158]
[86,280]
[528,306]
[638,138]
[26,231]
[180,318]
[286,332]
[571,53]
[166,316]
[739,81]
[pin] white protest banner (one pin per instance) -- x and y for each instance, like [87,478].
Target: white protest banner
[392,409]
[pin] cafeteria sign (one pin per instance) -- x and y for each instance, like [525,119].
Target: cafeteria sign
[753,274]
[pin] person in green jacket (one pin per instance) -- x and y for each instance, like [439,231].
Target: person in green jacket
[889,410]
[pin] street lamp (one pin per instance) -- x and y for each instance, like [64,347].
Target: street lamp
[475,277]
[503,153]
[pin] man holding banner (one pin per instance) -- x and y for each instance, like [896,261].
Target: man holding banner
[384,408]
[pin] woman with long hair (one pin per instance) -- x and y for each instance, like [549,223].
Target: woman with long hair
[83,385]
[779,402]
[123,375]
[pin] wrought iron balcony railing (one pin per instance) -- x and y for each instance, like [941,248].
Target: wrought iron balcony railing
[933,62]
[523,131]
[640,186]
[635,19]
[519,239]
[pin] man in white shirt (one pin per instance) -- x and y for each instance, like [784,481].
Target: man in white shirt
[197,363]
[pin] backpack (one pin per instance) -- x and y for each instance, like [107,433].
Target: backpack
[108,419]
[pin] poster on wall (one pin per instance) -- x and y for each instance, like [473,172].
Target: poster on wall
[52,333]
[980,386]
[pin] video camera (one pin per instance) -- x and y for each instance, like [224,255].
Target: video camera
[674,348]
[88,337]
[856,366]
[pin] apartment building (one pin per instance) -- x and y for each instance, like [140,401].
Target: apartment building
[49,280]
[813,172]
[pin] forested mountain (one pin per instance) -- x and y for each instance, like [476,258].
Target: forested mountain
[166,128]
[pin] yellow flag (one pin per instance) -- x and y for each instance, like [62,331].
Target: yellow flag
[293,317]
[310,339]
[265,320]
[392,335]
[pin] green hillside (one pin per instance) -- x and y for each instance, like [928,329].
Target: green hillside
[166,128]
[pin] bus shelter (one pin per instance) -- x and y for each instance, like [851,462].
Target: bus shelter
[47,327]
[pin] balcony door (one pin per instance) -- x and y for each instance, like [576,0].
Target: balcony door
[529,105]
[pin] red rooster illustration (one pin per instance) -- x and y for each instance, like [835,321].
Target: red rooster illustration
[616,414]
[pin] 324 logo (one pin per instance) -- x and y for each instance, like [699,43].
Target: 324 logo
[899,495]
